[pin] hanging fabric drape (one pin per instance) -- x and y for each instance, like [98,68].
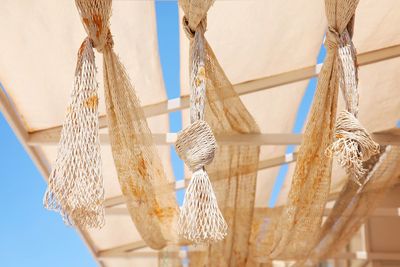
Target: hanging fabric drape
[233,171]
[75,186]
[355,204]
[353,144]
[302,215]
[200,219]
[149,196]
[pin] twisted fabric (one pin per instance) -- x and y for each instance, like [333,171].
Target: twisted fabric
[353,144]
[200,219]
[149,198]
[75,186]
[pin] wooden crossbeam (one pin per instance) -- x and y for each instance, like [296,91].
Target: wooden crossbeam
[253,86]
[262,165]
[276,139]
[121,250]
[359,255]
[128,250]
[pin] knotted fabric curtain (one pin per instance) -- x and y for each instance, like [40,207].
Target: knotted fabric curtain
[302,215]
[148,193]
[233,171]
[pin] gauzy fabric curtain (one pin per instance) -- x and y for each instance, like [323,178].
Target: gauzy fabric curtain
[355,204]
[301,217]
[149,195]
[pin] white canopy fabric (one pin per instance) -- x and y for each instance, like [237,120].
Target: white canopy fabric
[251,39]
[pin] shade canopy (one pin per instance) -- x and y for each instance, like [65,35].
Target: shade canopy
[268,50]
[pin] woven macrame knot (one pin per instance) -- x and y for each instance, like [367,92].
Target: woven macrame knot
[196,145]
[353,145]
[332,39]
[190,32]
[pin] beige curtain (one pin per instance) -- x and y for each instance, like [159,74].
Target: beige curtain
[301,217]
[149,195]
[354,204]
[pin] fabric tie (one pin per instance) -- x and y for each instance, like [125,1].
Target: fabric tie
[190,33]
[333,39]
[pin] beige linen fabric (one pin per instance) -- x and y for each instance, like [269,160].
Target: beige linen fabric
[302,215]
[149,196]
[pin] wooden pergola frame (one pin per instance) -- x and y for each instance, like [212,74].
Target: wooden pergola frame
[30,140]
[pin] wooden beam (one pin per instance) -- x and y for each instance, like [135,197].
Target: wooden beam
[364,255]
[256,85]
[10,113]
[128,250]
[121,250]
[276,139]
[359,255]
[181,184]
[151,254]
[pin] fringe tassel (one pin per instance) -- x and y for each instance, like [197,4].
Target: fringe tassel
[353,145]
[200,219]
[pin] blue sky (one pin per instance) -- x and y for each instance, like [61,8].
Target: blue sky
[33,236]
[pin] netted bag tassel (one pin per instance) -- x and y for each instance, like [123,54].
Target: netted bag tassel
[200,219]
[75,186]
[353,144]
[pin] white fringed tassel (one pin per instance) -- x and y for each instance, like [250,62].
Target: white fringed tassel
[353,145]
[200,219]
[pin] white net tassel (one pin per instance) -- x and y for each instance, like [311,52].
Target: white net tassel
[200,219]
[75,186]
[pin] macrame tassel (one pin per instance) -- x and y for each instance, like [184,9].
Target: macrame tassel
[200,219]
[75,186]
[353,145]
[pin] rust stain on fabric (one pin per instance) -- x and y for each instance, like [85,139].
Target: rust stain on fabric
[142,168]
[98,21]
[92,102]
[162,212]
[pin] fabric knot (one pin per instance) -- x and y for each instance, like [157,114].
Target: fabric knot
[332,39]
[95,16]
[108,42]
[196,145]
[190,32]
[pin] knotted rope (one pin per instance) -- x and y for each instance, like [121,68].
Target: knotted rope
[75,186]
[200,219]
[353,144]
